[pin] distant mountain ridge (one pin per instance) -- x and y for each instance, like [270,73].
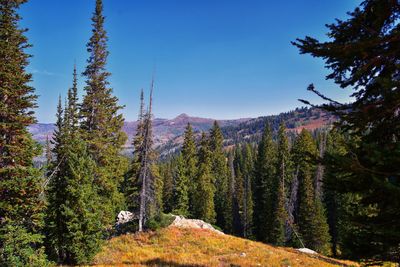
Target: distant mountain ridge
[168,132]
[163,129]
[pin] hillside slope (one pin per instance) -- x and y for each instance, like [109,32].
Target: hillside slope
[199,247]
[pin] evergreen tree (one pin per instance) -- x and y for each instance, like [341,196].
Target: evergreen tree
[81,230]
[219,172]
[204,208]
[248,172]
[190,160]
[21,206]
[73,219]
[238,196]
[101,124]
[279,214]
[181,188]
[56,195]
[265,171]
[167,174]
[362,54]
[230,198]
[132,183]
[311,218]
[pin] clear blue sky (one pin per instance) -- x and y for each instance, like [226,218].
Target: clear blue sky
[214,58]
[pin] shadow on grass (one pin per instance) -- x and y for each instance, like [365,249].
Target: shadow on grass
[160,262]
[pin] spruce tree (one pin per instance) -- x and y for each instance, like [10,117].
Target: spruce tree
[238,196]
[203,201]
[311,218]
[248,172]
[167,174]
[219,172]
[132,183]
[279,214]
[181,188]
[73,229]
[230,211]
[265,171]
[362,54]
[190,160]
[21,204]
[101,124]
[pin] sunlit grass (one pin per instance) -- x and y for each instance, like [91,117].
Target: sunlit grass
[197,247]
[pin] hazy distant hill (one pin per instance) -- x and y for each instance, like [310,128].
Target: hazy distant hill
[168,132]
[163,129]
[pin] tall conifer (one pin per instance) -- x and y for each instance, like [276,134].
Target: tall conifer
[204,208]
[181,188]
[190,160]
[21,206]
[219,172]
[101,123]
[73,228]
[265,171]
[279,214]
[311,218]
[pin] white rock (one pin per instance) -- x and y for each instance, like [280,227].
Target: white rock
[307,250]
[124,217]
[182,222]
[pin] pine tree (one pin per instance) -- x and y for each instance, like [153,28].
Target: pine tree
[101,123]
[181,188]
[362,54]
[248,172]
[279,214]
[55,192]
[230,211]
[190,160]
[73,228]
[167,174]
[238,196]
[311,218]
[219,172]
[265,171]
[132,183]
[81,232]
[21,206]
[204,208]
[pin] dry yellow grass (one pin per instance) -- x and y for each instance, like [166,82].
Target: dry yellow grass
[197,247]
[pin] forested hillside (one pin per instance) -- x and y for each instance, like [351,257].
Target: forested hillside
[325,179]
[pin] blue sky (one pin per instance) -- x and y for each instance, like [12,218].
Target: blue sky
[213,58]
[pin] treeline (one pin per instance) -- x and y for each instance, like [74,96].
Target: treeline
[251,131]
[271,191]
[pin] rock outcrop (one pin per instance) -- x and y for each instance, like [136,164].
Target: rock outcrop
[182,222]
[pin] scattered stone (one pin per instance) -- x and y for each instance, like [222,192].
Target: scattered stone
[124,217]
[242,254]
[182,222]
[307,250]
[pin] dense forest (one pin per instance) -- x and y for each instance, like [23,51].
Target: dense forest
[334,190]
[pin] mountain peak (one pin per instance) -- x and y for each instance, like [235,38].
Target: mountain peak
[182,116]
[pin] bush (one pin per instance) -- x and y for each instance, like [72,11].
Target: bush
[160,221]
